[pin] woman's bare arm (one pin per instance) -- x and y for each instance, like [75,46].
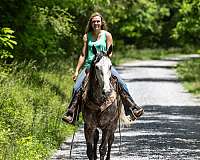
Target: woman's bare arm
[109,41]
[81,57]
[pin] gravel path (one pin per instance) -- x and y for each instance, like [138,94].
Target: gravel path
[170,127]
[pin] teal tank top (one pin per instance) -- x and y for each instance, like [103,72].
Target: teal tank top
[99,44]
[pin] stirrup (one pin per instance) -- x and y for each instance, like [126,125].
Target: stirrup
[134,116]
[68,119]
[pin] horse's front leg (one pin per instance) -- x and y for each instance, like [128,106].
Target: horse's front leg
[110,142]
[103,146]
[89,136]
[96,139]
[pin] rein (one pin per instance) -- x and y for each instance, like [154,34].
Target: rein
[119,104]
[72,142]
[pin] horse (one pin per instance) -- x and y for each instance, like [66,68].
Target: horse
[102,107]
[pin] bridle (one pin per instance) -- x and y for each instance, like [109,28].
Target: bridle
[93,75]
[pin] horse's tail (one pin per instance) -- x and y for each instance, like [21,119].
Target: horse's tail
[125,120]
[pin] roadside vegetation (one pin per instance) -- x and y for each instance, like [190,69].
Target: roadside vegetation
[130,53]
[189,74]
[40,42]
[32,101]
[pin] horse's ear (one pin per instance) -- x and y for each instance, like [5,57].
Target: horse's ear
[94,50]
[109,50]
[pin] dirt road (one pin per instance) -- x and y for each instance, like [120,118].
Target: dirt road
[170,127]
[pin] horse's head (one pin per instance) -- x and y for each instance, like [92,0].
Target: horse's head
[102,70]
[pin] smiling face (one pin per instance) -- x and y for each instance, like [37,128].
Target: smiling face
[96,23]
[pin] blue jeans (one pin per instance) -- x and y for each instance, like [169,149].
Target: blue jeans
[82,76]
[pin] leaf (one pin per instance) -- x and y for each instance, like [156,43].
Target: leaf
[7,30]
[13,42]
[10,45]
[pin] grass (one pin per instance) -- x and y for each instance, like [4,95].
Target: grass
[129,53]
[189,74]
[32,102]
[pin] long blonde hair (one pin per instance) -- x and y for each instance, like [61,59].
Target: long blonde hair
[89,24]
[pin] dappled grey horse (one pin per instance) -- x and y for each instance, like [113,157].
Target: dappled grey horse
[102,107]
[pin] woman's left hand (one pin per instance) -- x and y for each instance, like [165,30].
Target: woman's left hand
[75,76]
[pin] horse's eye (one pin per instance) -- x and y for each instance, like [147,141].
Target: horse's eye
[110,67]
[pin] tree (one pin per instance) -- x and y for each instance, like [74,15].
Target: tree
[187,29]
[7,43]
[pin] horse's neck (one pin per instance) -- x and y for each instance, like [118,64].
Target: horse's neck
[95,89]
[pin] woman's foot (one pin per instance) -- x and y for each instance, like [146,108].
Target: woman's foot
[67,119]
[137,113]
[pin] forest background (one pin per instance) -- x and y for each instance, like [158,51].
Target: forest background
[41,40]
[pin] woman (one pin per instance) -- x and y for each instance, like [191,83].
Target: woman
[97,35]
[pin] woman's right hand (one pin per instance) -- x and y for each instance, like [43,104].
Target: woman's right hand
[75,76]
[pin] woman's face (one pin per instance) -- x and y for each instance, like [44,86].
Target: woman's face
[96,23]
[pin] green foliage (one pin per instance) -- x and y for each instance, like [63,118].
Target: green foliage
[32,101]
[129,53]
[45,30]
[6,43]
[189,74]
[54,28]
[188,68]
[136,21]
[30,147]
[187,28]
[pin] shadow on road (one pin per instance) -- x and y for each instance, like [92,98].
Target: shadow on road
[121,68]
[174,80]
[164,132]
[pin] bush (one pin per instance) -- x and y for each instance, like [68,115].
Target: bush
[6,43]
[32,101]
[189,73]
